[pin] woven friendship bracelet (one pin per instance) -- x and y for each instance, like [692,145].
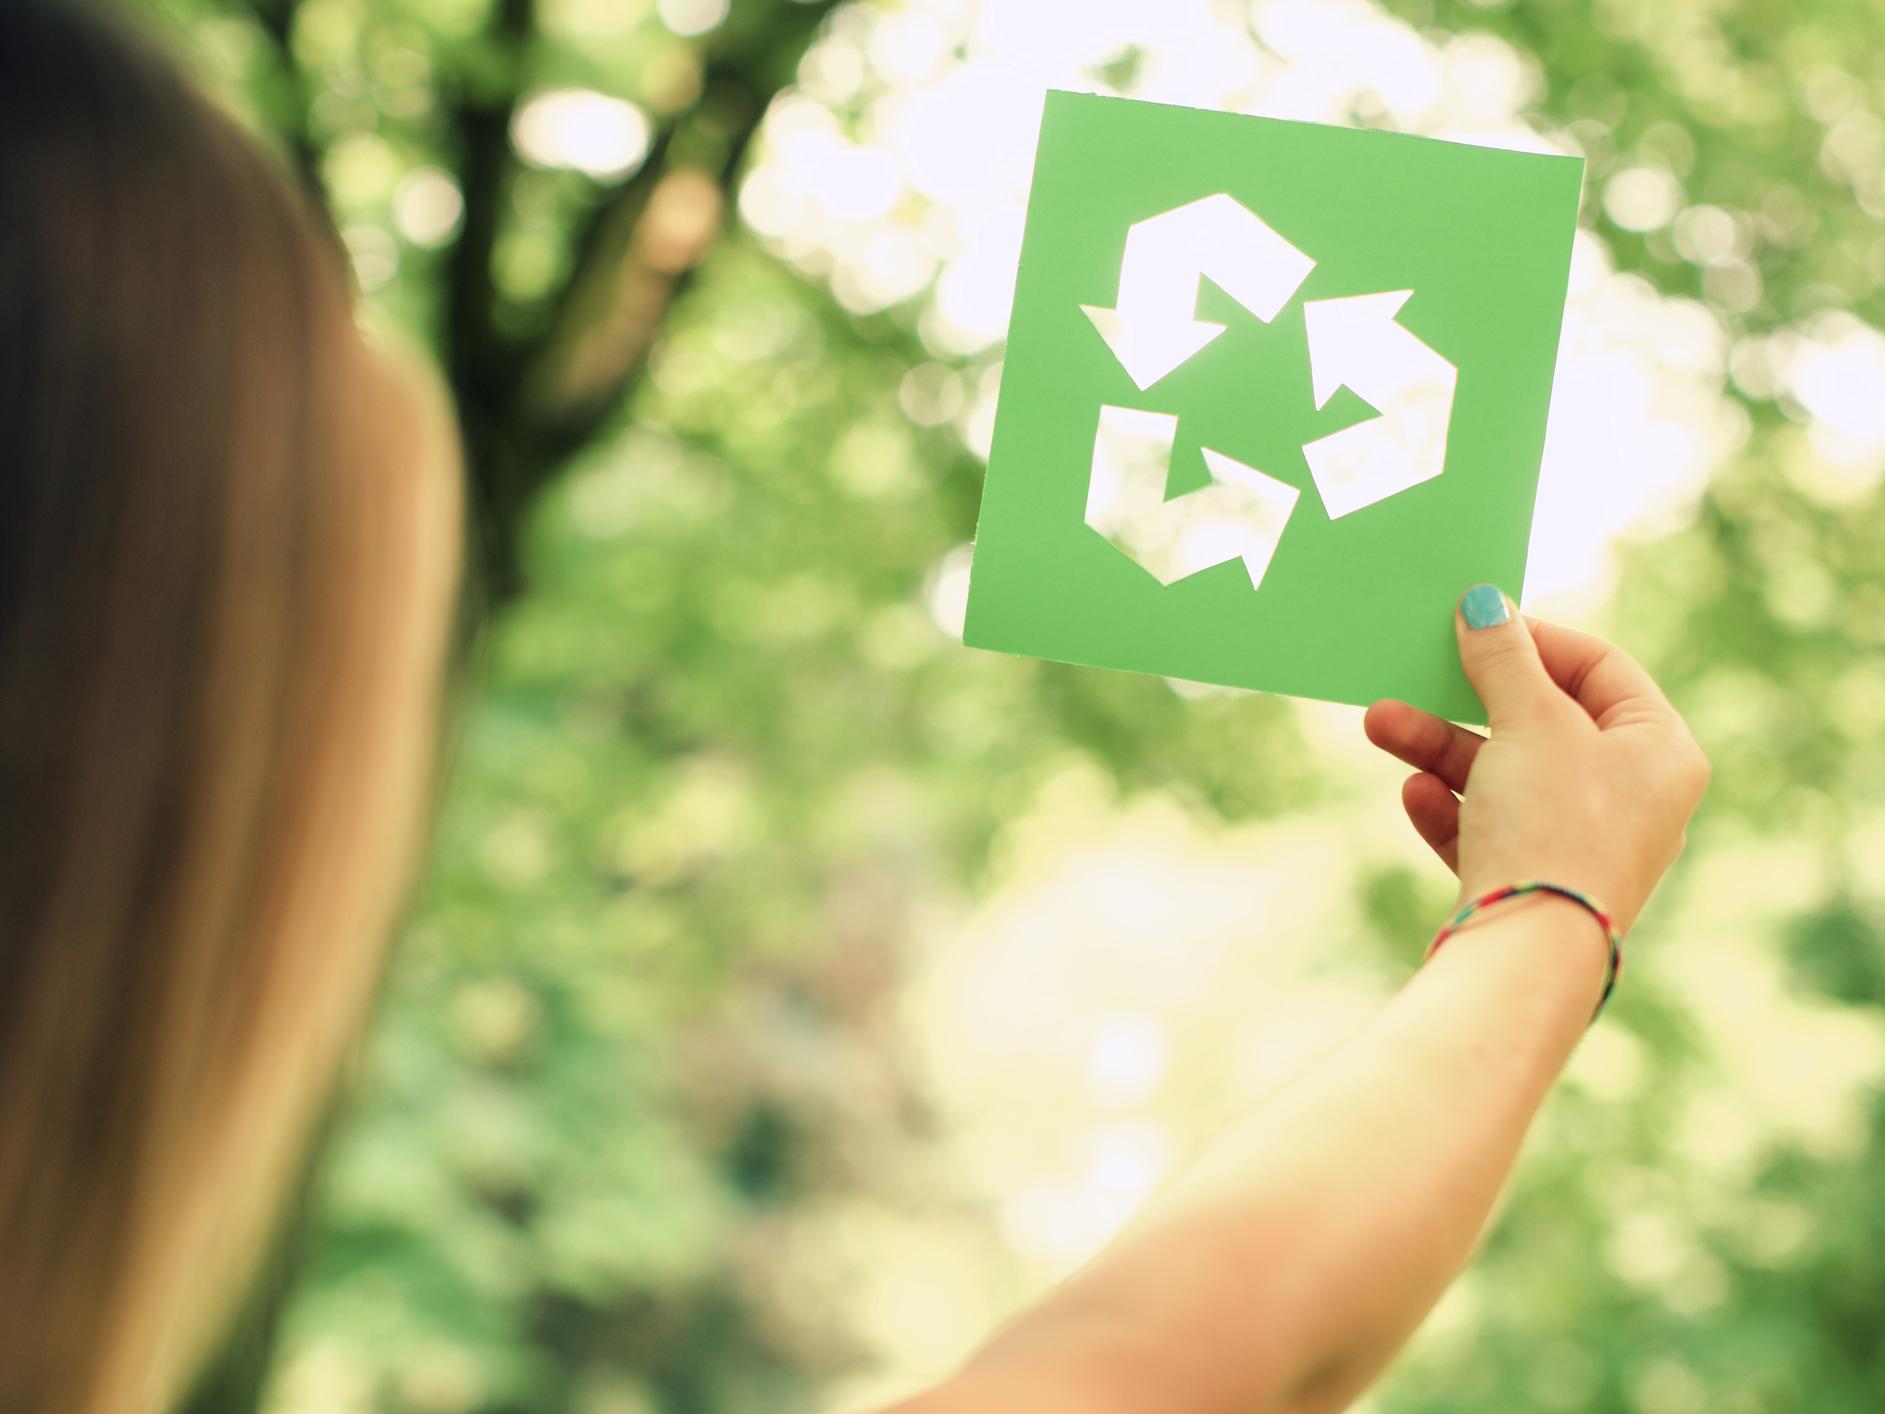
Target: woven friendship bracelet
[1538,886]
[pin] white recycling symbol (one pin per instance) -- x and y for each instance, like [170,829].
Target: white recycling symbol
[1355,341]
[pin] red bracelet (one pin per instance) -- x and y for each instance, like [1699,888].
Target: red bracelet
[1538,886]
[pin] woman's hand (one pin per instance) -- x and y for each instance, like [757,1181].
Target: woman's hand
[1588,777]
[1283,1270]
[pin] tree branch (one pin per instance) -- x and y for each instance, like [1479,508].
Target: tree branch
[480,361]
[481,114]
[277,19]
[527,402]
[641,248]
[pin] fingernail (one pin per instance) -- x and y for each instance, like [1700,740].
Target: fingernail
[1484,607]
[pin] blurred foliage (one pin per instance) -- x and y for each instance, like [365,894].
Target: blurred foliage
[721,761]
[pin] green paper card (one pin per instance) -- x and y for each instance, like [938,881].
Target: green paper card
[1274,398]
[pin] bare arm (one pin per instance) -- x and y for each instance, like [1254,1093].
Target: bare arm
[1285,1270]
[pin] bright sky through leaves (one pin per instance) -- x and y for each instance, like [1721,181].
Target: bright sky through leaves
[923,199]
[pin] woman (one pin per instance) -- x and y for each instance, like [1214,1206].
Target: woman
[227,549]
[227,538]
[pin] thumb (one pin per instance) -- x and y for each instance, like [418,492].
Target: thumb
[1500,659]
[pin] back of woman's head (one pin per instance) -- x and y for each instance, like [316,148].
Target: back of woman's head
[225,547]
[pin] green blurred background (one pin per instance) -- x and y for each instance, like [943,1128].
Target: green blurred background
[792,991]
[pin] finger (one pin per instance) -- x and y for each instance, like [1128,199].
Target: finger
[1435,813]
[1423,741]
[1501,661]
[1606,681]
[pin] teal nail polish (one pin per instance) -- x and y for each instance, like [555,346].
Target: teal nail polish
[1483,607]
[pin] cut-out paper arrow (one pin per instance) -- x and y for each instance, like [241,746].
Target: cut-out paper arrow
[1240,515]
[1358,342]
[1155,327]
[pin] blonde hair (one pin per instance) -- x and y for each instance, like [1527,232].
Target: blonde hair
[227,547]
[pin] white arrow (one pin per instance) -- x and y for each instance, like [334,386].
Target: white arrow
[1240,515]
[1156,328]
[1358,342]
